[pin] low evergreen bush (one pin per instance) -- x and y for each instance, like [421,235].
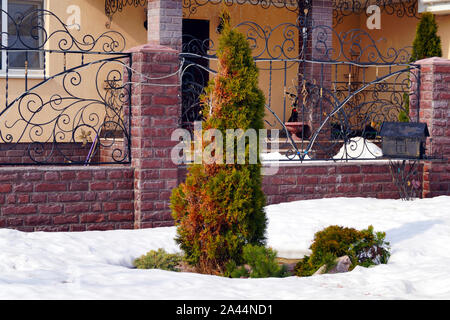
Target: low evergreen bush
[364,248]
[260,262]
[158,260]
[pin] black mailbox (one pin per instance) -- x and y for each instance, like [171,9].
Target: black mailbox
[404,139]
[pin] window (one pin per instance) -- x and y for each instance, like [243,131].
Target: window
[19,20]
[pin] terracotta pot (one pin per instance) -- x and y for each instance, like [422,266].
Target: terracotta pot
[296,129]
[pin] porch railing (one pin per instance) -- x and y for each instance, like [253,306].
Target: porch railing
[65,98]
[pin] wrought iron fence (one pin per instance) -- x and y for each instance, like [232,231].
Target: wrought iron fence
[64,100]
[398,8]
[328,99]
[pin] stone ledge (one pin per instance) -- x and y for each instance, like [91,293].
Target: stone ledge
[433,61]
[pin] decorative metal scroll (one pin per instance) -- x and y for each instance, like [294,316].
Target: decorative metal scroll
[399,8]
[283,42]
[77,110]
[347,119]
[191,6]
[341,116]
[28,32]
[113,6]
[407,177]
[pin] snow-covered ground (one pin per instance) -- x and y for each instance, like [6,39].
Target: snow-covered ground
[97,265]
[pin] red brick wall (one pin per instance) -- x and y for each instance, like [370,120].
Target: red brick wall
[314,181]
[102,198]
[19,153]
[309,181]
[434,109]
[66,198]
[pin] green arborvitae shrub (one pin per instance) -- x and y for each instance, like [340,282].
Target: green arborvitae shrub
[260,262]
[403,115]
[220,207]
[158,260]
[427,43]
[364,248]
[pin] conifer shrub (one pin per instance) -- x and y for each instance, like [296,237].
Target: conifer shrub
[158,260]
[403,115]
[427,43]
[220,207]
[364,248]
[260,262]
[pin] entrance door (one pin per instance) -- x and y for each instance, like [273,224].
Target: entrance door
[195,76]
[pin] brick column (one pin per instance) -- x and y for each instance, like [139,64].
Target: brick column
[156,110]
[321,14]
[434,109]
[165,19]
[316,49]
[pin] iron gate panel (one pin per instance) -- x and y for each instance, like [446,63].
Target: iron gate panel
[344,87]
[72,110]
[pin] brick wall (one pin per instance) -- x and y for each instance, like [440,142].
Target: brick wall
[66,199]
[314,181]
[434,109]
[309,181]
[103,198]
[24,153]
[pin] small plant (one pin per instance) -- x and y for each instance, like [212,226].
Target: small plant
[373,252]
[364,248]
[260,262]
[158,260]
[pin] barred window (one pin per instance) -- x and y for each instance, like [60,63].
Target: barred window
[21,34]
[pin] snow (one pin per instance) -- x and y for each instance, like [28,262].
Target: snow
[359,147]
[276,156]
[97,265]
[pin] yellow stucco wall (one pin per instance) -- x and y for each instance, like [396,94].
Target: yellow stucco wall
[93,22]
[398,32]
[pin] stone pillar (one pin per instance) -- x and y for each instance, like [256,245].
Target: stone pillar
[155,114]
[319,42]
[433,108]
[165,19]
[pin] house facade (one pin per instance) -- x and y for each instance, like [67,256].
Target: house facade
[91,92]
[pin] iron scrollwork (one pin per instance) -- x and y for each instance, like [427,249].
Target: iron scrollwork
[402,8]
[191,6]
[113,6]
[78,113]
[370,84]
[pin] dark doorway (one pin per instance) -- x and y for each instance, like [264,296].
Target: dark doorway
[196,77]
